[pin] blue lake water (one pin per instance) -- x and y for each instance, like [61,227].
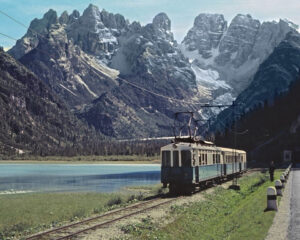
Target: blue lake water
[75,177]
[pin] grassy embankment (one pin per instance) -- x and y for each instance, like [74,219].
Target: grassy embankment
[225,214]
[81,159]
[23,214]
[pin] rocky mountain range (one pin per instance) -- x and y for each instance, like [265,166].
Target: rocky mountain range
[126,79]
[273,78]
[33,118]
[225,58]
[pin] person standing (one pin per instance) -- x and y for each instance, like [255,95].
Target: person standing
[271,171]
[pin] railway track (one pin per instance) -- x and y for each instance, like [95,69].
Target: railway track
[75,229]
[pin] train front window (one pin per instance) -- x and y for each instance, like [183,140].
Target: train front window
[175,159]
[186,158]
[166,158]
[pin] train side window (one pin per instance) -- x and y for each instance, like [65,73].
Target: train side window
[186,158]
[175,159]
[195,160]
[166,158]
[200,159]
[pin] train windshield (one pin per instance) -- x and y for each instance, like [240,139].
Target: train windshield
[186,158]
[166,158]
[175,159]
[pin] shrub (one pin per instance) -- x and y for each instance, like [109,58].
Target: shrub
[114,201]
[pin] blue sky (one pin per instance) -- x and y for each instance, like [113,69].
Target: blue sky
[181,12]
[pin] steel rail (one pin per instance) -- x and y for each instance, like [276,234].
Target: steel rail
[125,216]
[89,219]
[114,220]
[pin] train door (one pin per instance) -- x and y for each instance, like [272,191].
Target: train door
[224,164]
[196,165]
[197,173]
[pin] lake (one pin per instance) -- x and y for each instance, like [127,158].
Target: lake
[19,178]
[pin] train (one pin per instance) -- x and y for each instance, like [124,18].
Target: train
[188,165]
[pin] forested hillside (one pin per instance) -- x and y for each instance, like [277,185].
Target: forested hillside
[33,119]
[270,128]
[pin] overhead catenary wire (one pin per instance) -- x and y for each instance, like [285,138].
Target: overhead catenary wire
[15,20]
[156,94]
[21,24]
[7,36]
[38,50]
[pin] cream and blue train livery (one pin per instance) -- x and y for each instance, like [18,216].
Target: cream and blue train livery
[188,165]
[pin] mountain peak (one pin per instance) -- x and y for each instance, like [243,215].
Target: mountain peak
[92,7]
[206,33]
[246,19]
[290,24]
[162,21]
[51,16]
[209,19]
[75,14]
[64,17]
[91,11]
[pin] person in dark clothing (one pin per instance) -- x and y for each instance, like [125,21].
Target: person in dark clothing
[271,171]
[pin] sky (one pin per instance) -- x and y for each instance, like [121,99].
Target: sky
[181,12]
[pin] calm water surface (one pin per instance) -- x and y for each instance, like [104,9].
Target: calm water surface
[16,178]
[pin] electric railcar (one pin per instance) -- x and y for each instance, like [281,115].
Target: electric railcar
[186,166]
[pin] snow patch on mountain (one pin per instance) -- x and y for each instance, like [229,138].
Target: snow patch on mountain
[194,55]
[209,78]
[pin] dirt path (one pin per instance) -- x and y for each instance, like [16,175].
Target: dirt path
[160,216]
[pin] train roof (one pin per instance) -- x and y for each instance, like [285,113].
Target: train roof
[186,146]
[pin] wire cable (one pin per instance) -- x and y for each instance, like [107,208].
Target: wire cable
[15,20]
[5,35]
[156,94]
[21,24]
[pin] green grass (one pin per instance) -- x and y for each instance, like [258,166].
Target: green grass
[151,190]
[225,214]
[23,214]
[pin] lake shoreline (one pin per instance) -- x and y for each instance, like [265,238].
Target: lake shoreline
[77,162]
[68,177]
[91,159]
